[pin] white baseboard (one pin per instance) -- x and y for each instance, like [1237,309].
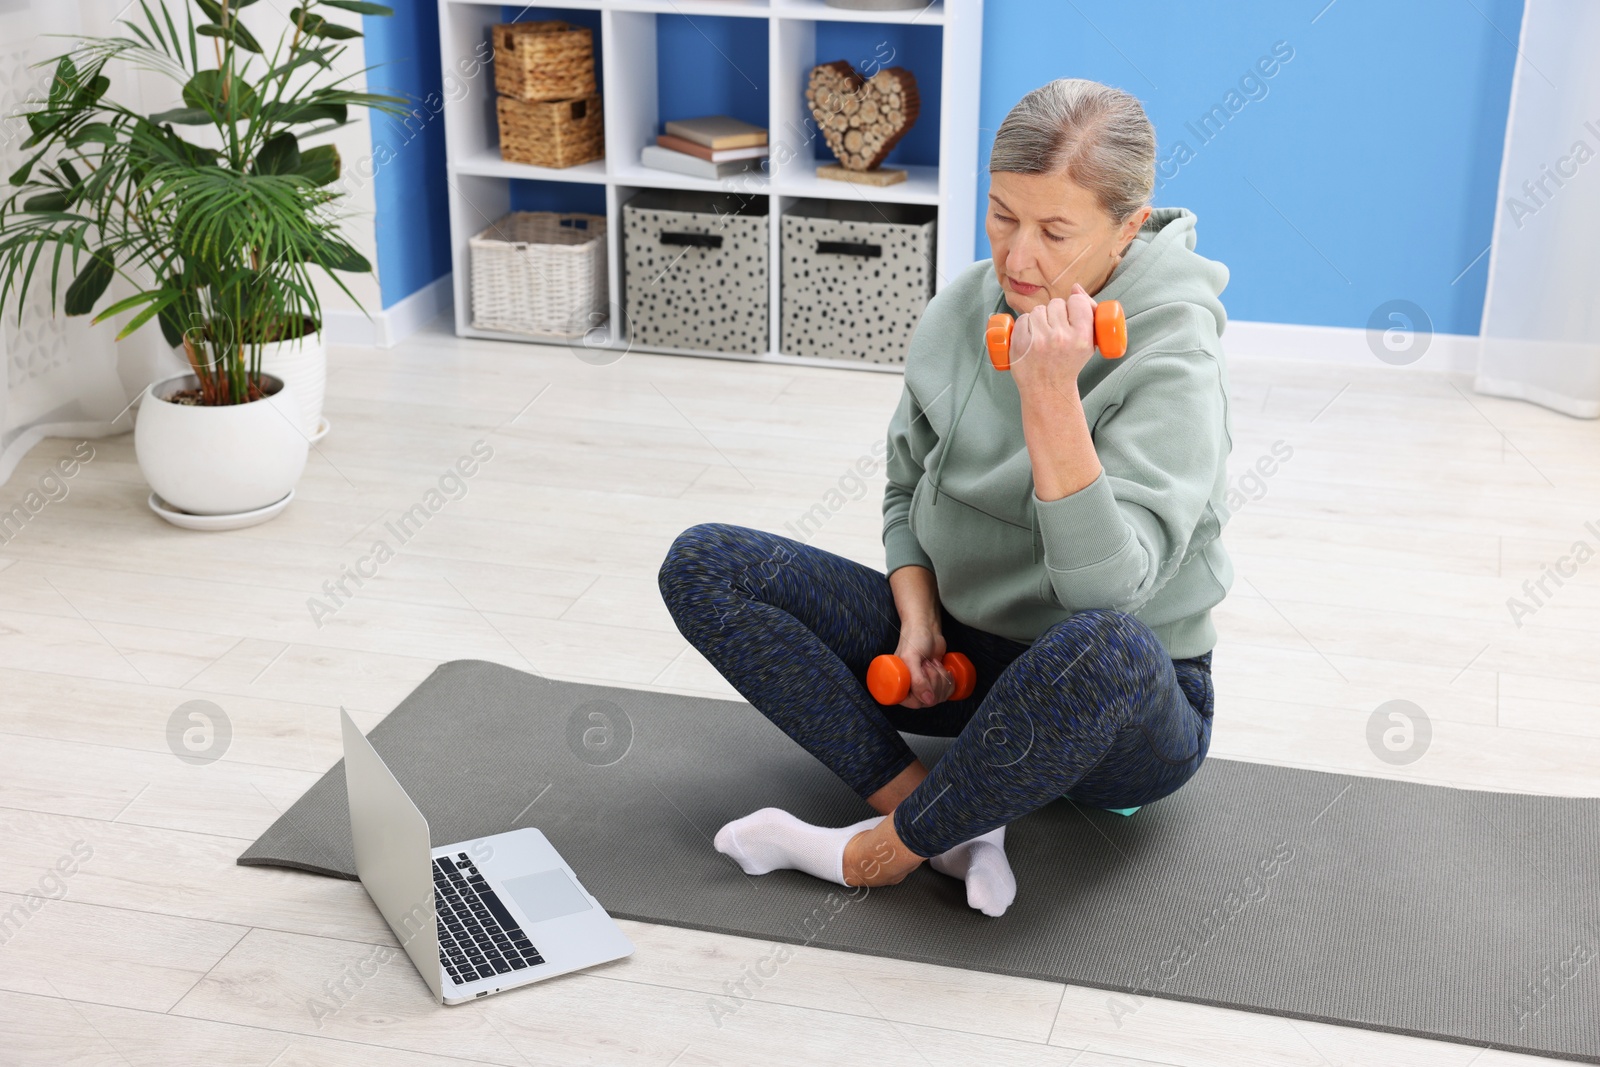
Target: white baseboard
[1445,352]
[393,324]
[1249,340]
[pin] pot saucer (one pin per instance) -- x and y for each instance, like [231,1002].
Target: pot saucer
[236,521]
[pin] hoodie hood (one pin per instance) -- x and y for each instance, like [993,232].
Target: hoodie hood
[1162,267]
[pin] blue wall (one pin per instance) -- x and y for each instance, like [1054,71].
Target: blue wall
[1363,169]
[1366,172]
[711,66]
[412,215]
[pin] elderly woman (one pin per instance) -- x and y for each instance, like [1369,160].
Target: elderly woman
[1057,523]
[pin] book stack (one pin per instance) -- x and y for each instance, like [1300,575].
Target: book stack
[712,146]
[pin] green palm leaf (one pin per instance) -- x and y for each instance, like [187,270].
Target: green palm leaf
[89,285]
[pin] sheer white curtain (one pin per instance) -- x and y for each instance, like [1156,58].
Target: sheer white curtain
[1540,338]
[63,378]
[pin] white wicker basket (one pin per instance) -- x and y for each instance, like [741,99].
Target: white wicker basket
[540,272]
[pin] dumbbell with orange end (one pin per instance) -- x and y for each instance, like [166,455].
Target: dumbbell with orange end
[1110,334]
[889,679]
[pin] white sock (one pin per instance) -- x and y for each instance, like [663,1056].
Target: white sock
[982,864]
[771,840]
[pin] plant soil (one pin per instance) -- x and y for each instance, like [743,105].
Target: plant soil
[194,398]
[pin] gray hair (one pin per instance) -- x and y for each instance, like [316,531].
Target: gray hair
[1098,135]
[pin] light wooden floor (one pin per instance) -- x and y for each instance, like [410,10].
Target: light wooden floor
[1375,566]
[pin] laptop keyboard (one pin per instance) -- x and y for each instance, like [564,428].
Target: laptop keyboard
[478,938]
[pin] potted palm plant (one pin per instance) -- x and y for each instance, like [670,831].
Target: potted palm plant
[215,213]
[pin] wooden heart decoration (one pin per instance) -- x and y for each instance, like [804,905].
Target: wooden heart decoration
[862,118]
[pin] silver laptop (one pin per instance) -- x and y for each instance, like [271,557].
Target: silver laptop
[477,917]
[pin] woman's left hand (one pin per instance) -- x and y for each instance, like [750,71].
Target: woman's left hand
[1051,343]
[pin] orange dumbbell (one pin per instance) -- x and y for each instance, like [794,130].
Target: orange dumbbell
[889,679]
[1110,334]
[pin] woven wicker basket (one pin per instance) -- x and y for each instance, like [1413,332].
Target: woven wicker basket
[540,272]
[561,133]
[548,60]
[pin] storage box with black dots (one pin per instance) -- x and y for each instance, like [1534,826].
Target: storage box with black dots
[854,279]
[695,270]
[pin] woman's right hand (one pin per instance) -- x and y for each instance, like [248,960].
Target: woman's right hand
[922,649]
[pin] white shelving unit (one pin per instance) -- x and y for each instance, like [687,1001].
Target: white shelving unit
[480,181]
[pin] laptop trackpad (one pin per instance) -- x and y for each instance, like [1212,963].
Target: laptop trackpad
[546,895]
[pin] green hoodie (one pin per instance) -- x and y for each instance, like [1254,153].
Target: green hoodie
[1142,538]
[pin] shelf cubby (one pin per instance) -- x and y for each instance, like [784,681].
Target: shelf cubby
[669,78]
[658,60]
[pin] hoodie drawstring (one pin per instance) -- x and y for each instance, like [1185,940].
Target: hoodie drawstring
[950,439]
[938,472]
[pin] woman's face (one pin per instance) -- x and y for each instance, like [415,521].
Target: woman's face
[1047,232]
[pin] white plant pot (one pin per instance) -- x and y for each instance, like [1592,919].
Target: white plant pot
[303,364]
[219,460]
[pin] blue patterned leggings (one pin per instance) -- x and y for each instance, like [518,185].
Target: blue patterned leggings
[1093,709]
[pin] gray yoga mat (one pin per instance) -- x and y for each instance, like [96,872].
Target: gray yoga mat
[1444,913]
